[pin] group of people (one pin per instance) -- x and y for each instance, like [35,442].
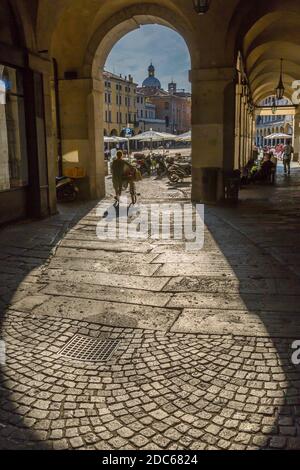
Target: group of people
[263,171]
[280,152]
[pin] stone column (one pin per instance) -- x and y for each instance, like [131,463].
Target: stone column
[40,136]
[213,126]
[297,135]
[81,109]
[238,127]
[4,157]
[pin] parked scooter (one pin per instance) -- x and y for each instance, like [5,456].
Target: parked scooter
[158,162]
[66,189]
[178,171]
[144,165]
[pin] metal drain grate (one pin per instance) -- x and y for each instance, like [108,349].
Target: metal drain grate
[83,348]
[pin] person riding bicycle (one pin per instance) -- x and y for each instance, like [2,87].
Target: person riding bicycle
[122,174]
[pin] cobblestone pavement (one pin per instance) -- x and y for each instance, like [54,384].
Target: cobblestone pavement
[204,355]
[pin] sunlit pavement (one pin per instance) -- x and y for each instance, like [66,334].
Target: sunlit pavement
[204,339]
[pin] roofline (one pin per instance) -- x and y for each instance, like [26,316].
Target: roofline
[114,76]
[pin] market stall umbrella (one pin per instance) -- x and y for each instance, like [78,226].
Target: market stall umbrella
[278,136]
[152,136]
[186,137]
[116,140]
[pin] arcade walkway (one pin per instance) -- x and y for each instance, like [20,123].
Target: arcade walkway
[204,340]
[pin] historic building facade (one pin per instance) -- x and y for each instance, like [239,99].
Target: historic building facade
[172,106]
[273,124]
[119,108]
[146,115]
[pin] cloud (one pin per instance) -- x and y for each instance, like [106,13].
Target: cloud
[166,48]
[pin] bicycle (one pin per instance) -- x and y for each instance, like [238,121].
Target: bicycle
[130,180]
[133,193]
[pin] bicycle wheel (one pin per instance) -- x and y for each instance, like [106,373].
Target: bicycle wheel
[133,194]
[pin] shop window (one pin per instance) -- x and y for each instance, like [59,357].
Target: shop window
[13,153]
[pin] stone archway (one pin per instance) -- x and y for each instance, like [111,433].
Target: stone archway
[84,134]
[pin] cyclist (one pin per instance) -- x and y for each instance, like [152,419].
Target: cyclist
[123,174]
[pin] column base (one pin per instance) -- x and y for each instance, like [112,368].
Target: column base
[207,185]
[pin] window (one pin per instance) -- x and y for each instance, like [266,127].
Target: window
[106,116]
[13,154]
[109,116]
[167,105]
[121,118]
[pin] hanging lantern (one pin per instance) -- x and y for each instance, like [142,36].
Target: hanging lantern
[201,6]
[280,90]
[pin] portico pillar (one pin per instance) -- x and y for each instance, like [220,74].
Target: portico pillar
[297,135]
[237,158]
[38,108]
[82,139]
[213,126]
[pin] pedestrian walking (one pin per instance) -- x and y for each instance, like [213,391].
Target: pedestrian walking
[287,157]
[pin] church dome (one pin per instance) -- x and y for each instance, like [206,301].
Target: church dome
[151,81]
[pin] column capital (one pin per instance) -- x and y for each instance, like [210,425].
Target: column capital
[214,74]
[39,64]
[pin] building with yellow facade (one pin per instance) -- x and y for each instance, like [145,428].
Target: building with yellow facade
[119,104]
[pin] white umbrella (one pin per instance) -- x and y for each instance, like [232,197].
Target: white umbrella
[152,136]
[278,136]
[114,139]
[187,137]
[117,140]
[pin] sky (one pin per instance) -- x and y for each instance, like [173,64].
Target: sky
[159,44]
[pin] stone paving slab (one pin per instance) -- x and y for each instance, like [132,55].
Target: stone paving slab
[240,272]
[103,313]
[96,254]
[262,302]
[155,284]
[115,266]
[73,241]
[238,322]
[208,284]
[214,258]
[96,292]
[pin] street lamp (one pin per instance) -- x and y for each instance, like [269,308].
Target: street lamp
[280,90]
[201,6]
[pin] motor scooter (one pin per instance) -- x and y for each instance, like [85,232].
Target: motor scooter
[66,189]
